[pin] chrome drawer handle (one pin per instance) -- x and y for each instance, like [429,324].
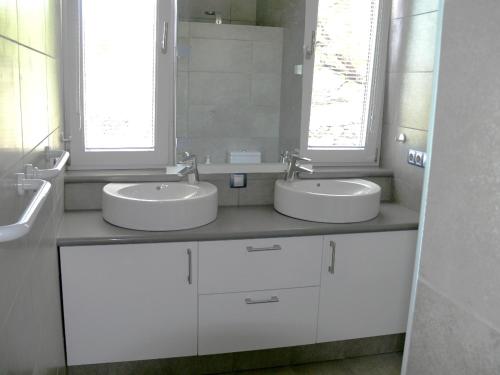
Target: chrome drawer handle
[331,267]
[164,40]
[251,249]
[190,267]
[250,301]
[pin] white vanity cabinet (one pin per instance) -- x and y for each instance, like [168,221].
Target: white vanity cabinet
[144,301]
[365,284]
[129,302]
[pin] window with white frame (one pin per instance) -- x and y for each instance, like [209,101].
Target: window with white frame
[119,72]
[343,80]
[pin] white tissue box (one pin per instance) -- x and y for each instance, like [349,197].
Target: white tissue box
[244,157]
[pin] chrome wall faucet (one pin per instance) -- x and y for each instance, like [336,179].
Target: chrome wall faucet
[294,167]
[191,168]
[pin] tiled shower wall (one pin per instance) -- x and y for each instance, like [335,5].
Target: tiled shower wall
[408,97]
[456,324]
[228,90]
[289,15]
[240,12]
[31,337]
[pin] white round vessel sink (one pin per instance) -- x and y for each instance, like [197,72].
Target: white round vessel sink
[328,201]
[159,206]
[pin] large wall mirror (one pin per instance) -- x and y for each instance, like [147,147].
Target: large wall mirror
[239,82]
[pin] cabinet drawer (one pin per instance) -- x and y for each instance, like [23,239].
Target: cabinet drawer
[257,320]
[258,264]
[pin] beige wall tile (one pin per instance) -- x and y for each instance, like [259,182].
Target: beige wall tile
[54,99]
[212,55]
[405,8]
[244,11]
[31,23]
[33,97]
[450,340]
[412,43]
[52,27]
[8,19]
[11,142]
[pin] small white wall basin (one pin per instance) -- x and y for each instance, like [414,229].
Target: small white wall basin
[159,206]
[328,201]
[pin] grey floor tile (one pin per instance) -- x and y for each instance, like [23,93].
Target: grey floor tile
[261,359]
[385,364]
[339,367]
[270,371]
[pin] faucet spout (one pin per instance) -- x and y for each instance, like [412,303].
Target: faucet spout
[191,169]
[294,168]
[184,171]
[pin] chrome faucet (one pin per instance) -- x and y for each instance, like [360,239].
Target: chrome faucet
[218,16]
[285,157]
[293,167]
[191,168]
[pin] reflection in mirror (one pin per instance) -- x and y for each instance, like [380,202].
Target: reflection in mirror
[239,86]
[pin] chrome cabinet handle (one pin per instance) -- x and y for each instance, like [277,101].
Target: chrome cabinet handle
[312,48]
[331,267]
[251,249]
[164,40]
[250,301]
[190,266]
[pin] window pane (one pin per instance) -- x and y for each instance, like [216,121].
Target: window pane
[119,74]
[343,66]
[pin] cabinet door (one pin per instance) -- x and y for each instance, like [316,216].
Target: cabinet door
[129,302]
[365,284]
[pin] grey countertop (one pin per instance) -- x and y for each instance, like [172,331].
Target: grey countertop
[155,175]
[89,228]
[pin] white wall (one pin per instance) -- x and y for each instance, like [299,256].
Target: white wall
[290,15]
[455,328]
[31,339]
[409,85]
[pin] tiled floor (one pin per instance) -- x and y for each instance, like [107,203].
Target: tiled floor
[383,364]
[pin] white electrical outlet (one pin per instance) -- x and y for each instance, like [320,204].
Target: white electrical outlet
[411,157]
[417,158]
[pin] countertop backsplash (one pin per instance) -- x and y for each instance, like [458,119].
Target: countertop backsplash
[259,191]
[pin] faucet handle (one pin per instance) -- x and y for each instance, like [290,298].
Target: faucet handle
[296,157]
[285,156]
[188,157]
[304,169]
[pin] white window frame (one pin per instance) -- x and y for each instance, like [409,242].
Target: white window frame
[369,156]
[164,149]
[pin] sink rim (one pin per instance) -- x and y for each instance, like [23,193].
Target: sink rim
[371,187]
[203,190]
[158,215]
[297,202]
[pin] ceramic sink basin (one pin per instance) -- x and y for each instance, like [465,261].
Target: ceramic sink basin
[159,206]
[328,201]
